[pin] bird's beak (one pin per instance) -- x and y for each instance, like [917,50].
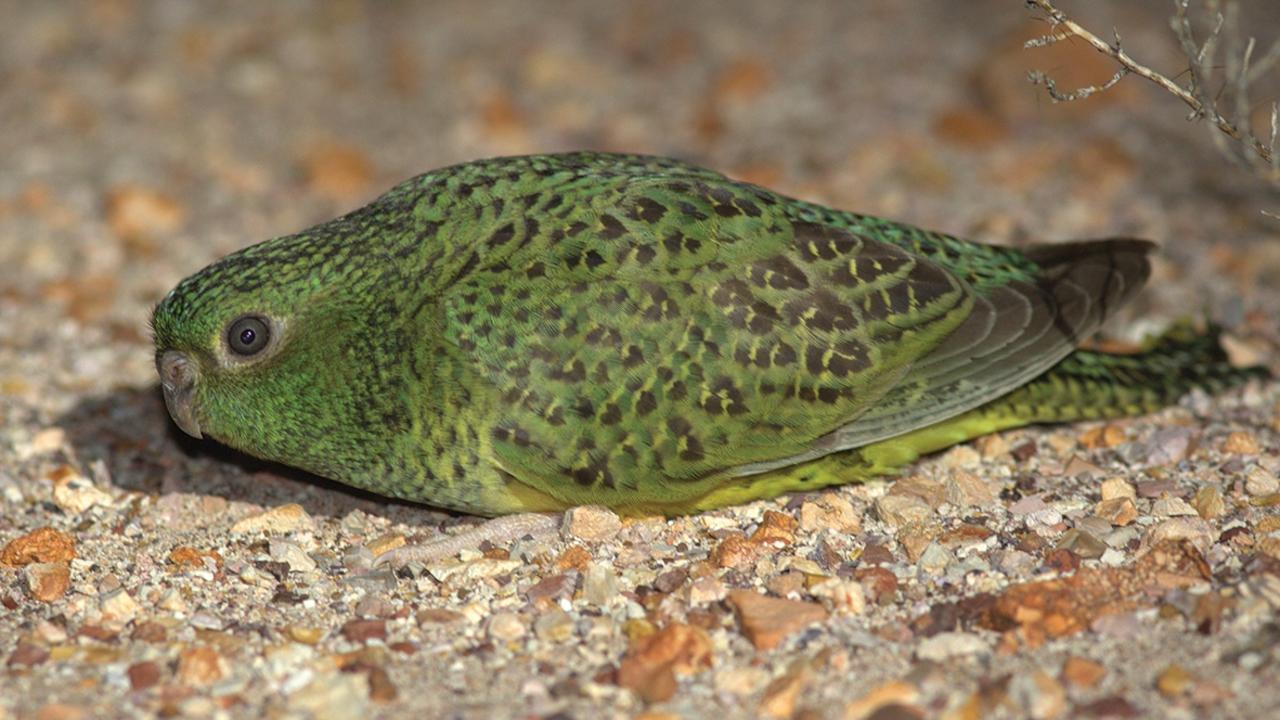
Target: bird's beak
[178,380]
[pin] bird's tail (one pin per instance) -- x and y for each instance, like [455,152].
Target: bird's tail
[1086,385]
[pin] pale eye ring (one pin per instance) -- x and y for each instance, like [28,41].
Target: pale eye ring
[248,335]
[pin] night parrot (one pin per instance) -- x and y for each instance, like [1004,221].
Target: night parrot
[529,334]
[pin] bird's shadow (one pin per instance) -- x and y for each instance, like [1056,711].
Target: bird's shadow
[130,432]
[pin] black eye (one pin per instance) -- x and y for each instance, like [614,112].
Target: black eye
[248,335]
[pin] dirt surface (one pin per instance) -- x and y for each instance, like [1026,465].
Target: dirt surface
[1128,569]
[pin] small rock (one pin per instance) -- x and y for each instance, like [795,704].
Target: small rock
[27,654]
[735,551]
[650,667]
[1118,511]
[935,559]
[830,510]
[200,666]
[1040,695]
[740,680]
[506,626]
[1258,481]
[1081,672]
[1028,505]
[779,698]
[898,510]
[964,489]
[961,456]
[144,675]
[555,625]
[44,545]
[549,588]
[292,555]
[386,543]
[916,537]
[1174,681]
[1168,446]
[1208,502]
[947,645]
[1117,487]
[45,441]
[1082,544]
[777,529]
[707,590]
[47,582]
[1171,507]
[74,493]
[1194,529]
[304,634]
[1094,525]
[592,523]
[932,492]
[1240,443]
[276,521]
[334,696]
[767,621]
[438,616]
[365,629]
[599,584]
[895,693]
[845,597]
[118,605]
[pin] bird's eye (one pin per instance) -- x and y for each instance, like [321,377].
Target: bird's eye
[248,335]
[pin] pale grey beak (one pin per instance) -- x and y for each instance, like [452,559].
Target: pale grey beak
[178,380]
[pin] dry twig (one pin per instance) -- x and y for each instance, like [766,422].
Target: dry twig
[1241,70]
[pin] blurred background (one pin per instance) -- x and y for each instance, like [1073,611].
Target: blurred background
[141,140]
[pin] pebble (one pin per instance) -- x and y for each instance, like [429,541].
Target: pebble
[1082,543]
[935,559]
[276,521]
[1174,681]
[118,605]
[292,555]
[506,626]
[1257,481]
[898,510]
[1199,532]
[591,523]
[1208,502]
[74,493]
[200,666]
[740,680]
[1082,672]
[964,489]
[1167,446]
[776,529]
[1118,511]
[1094,525]
[334,696]
[1028,505]
[555,625]
[875,703]
[947,645]
[47,582]
[844,597]
[1172,507]
[1116,487]
[1240,443]
[45,545]
[143,675]
[599,584]
[365,629]
[779,698]
[1039,694]
[768,621]
[707,590]
[832,511]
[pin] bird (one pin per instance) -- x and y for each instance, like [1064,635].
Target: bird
[528,334]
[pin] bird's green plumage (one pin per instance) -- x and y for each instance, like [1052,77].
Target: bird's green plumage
[533,333]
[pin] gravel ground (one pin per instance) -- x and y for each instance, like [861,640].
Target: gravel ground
[1127,569]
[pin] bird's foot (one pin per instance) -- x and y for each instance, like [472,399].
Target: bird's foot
[498,531]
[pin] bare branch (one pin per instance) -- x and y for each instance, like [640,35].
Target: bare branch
[1196,95]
